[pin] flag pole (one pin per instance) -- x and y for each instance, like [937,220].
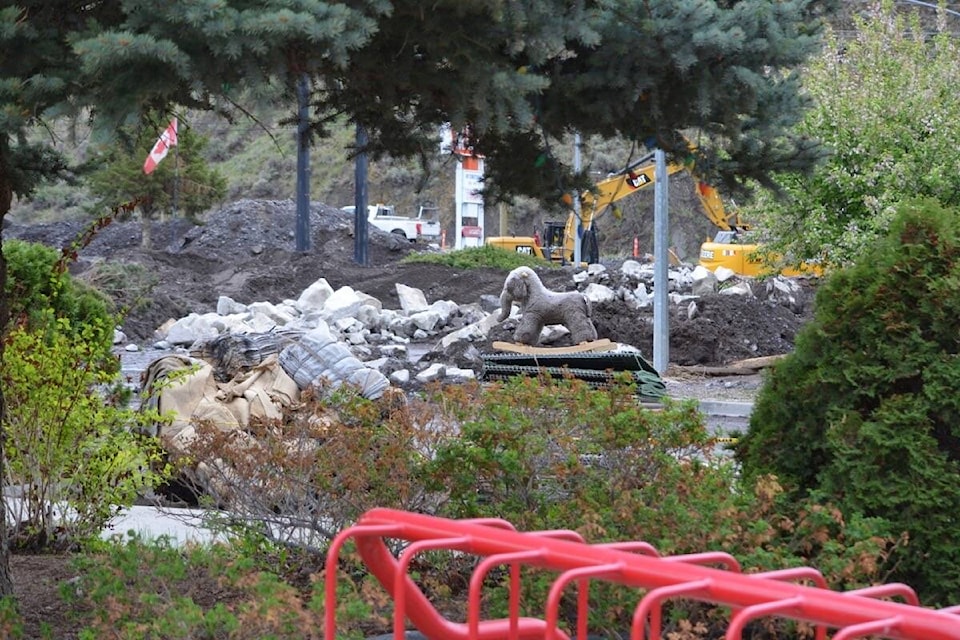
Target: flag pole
[176,178]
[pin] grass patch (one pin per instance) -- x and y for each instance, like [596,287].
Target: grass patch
[485,257]
[136,588]
[127,284]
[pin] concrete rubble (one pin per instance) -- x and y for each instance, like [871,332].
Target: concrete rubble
[382,338]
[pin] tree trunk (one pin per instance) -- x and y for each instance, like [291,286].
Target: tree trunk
[6,197]
[146,237]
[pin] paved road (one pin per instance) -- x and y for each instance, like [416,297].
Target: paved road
[725,417]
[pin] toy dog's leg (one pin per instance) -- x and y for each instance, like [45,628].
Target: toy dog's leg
[528,331]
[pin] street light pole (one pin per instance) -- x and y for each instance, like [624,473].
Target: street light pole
[578,226]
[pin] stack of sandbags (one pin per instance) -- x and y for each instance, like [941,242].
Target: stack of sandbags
[321,361]
[186,390]
[231,353]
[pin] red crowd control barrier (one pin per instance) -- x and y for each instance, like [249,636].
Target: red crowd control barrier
[850,614]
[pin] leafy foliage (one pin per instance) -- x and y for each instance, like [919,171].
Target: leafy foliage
[884,104]
[865,409]
[41,293]
[544,454]
[302,479]
[137,588]
[70,450]
[541,453]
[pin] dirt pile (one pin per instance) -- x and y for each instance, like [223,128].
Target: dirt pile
[247,251]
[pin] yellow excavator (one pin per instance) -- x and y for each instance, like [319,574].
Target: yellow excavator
[727,249]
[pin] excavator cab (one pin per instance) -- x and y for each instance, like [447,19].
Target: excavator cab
[553,236]
[557,248]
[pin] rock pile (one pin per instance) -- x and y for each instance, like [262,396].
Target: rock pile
[421,342]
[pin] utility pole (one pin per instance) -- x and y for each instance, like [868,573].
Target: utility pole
[661,260]
[578,227]
[360,232]
[303,164]
[176,182]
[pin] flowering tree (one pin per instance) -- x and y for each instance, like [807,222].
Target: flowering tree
[886,106]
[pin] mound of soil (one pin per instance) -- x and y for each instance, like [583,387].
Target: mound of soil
[247,251]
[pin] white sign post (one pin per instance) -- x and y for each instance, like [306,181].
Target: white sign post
[468,194]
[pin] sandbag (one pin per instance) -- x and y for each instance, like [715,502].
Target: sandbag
[232,353]
[318,359]
[185,389]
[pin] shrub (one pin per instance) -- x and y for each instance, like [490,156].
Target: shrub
[866,411]
[136,588]
[549,454]
[70,449]
[543,454]
[127,283]
[40,292]
[486,256]
[540,453]
[302,479]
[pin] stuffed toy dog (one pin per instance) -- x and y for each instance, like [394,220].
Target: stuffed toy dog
[539,307]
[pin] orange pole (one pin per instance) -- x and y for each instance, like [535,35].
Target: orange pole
[443,239]
[636,247]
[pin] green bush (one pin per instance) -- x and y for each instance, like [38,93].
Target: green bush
[135,588]
[40,293]
[540,453]
[866,411]
[486,256]
[549,454]
[71,451]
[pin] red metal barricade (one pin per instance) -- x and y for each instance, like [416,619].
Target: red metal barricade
[851,614]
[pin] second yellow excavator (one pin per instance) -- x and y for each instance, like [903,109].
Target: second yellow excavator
[727,249]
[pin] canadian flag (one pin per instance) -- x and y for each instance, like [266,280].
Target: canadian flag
[167,139]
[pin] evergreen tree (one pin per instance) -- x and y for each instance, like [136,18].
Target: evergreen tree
[182,184]
[116,61]
[865,413]
[527,73]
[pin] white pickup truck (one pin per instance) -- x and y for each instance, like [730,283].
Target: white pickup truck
[424,225]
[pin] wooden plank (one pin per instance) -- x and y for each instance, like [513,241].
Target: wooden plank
[748,367]
[758,363]
[603,344]
[715,371]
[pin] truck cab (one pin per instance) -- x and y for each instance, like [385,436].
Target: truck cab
[421,225]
